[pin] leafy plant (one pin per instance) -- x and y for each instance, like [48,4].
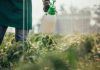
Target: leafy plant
[51,52]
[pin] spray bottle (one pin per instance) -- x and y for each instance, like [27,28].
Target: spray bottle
[52,9]
[49,20]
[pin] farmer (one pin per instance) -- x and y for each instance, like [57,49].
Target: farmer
[18,14]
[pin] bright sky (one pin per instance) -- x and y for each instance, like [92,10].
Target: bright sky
[38,7]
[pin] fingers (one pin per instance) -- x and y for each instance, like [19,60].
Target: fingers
[46,5]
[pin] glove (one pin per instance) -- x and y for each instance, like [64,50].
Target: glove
[46,5]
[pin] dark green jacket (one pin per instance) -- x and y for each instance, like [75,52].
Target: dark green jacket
[11,13]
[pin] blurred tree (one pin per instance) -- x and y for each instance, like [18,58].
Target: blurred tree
[85,11]
[97,12]
[73,10]
[63,10]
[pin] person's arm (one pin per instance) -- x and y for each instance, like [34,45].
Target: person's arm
[46,5]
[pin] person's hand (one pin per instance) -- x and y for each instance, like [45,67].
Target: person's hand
[46,5]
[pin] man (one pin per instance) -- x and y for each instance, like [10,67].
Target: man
[18,14]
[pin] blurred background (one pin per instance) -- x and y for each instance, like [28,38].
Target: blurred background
[73,16]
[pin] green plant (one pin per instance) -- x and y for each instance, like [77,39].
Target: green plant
[51,52]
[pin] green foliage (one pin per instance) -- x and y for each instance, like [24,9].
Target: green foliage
[72,57]
[51,52]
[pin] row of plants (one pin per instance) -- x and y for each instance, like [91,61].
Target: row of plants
[51,52]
